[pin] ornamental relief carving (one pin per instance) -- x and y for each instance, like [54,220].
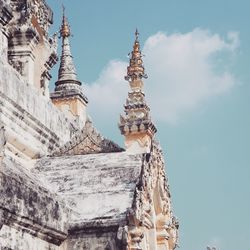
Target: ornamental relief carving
[152,199]
[17,65]
[25,9]
[87,141]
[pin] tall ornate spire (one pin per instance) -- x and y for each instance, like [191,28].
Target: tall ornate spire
[67,71]
[68,95]
[136,124]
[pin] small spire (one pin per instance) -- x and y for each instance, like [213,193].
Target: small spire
[136,125]
[67,70]
[67,87]
[67,82]
[135,70]
[65,28]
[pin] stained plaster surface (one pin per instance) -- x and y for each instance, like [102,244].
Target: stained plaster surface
[97,187]
[27,206]
[14,89]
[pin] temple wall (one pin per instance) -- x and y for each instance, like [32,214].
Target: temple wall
[3,45]
[30,215]
[12,239]
[34,125]
[74,108]
[28,98]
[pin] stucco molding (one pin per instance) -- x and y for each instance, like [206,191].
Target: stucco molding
[152,206]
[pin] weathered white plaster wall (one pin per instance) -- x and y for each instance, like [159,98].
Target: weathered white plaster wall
[11,238]
[34,125]
[94,241]
[38,106]
[3,45]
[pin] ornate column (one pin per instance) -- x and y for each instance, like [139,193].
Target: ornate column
[136,125]
[68,95]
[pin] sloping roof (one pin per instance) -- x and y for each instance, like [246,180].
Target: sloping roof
[22,199]
[97,187]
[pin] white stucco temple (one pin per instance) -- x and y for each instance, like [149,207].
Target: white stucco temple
[63,185]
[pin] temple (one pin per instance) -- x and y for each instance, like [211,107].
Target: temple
[63,185]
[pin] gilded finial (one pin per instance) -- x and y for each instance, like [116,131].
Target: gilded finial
[65,29]
[135,70]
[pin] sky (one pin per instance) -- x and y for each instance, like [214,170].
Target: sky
[197,57]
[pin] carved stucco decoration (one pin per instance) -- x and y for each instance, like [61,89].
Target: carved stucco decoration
[25,10]
[153,188]
[17,65]
[53,58]
[87,141]
[5,13]
[29,44]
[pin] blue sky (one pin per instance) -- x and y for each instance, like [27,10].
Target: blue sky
[197,58]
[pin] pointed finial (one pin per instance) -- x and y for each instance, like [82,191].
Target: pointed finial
[135,70]
[65,29]
[137,35]
[63,9]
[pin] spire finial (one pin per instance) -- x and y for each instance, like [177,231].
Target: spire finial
[135,70]
[65,29]
[137,35]
[63,9]
[67,71]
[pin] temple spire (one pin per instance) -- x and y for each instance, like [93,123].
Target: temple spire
[67,71]
[135,70]
[65,28]
[136,124]
[68,95]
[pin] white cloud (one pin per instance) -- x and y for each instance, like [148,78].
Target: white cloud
[183,73]
[108,94]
